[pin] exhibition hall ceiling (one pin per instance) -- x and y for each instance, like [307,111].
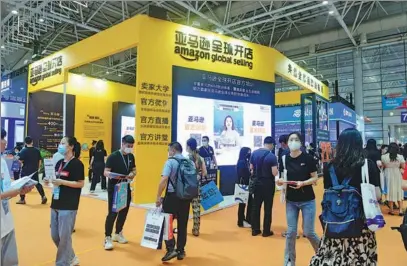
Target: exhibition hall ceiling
[31,29]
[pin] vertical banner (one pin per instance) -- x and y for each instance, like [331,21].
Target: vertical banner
[45,119]
[93,122]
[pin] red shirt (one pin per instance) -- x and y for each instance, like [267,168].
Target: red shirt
[405,173]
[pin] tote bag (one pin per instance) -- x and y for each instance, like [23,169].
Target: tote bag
[152,229]
[120,196]
[371,207]
[241,194]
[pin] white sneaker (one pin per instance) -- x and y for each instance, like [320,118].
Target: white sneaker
[108,243]
[120,238]
[75,261]
[246,225]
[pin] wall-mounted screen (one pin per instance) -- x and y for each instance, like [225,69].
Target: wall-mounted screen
[229,125]
[128,124]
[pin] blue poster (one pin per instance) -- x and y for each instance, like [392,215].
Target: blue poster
[392,102]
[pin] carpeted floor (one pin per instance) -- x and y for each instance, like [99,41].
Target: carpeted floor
[221,242]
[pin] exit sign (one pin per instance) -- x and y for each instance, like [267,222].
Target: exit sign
[403,117]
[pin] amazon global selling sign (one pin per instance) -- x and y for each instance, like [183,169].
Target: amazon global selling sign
[192,47]
[48,68]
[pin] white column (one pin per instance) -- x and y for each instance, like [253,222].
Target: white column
[64,111]
[358,81]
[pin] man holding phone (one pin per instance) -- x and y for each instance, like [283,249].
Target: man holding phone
[263,164]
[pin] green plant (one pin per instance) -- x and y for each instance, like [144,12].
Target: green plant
[44,155]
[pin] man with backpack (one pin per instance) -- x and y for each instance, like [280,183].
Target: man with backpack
[179,180]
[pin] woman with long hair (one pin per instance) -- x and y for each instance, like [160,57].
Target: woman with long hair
[68,184]
[193,152]
[384,149]
[348,162]
[301,175]
[393,164]
[230,136]
[98,163]
[243,176]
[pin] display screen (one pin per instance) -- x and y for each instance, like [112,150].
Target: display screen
[229,125]
[128,124]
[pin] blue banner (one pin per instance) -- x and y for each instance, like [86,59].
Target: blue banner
[339,111]
[394,102]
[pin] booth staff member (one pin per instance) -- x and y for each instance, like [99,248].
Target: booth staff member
[91,152]
[119,162]
[208,154]
[264,165]
[31,160]
[68,184]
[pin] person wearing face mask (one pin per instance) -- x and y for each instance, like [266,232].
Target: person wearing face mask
[243,176]
[301,175]
[208,154]
[263,164]
[119,162]
[67,187]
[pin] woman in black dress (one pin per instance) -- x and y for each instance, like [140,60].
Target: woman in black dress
[98,166]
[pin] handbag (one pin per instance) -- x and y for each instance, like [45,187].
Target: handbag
[152,229]
[210,196]
[403,230]
[371,207]
[241,194]
[120,196]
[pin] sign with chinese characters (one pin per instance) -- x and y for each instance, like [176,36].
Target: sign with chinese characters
[155,112]
[93,127]
[196,46]
[47,69]
[45,119]
[403,117]
[299,74]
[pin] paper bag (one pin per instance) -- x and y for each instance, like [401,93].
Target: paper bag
[152,229]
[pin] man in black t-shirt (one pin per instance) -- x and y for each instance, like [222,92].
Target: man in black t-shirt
[263,164]
[91,152]
[31,160]
[120,167]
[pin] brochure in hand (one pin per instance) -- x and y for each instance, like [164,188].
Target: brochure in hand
[116,176]
[22,182]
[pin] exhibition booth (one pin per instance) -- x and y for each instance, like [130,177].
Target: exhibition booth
[189,83]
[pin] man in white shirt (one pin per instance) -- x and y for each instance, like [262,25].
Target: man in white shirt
[8,238]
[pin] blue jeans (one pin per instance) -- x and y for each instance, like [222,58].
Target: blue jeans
[308,210]
[9,255]
[62,225]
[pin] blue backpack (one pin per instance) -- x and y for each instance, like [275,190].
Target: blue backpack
[187,185]
[342,209]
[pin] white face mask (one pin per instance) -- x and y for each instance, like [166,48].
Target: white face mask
[204,143]
[294,145]
[128,150]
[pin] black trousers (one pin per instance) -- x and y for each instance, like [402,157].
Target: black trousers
[240,213]
[38,186]
[90,174]
[112,216]
[263,193]
[180,211]
[98,176]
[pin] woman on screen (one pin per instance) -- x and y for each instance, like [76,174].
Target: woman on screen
[229,137]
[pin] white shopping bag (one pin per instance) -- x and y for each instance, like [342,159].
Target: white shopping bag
[373,213]
[279,188]
[284,187]
[382,185]
[168,231]
[152,229]
[241,193]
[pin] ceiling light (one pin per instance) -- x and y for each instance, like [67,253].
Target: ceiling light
[44,52]
[107,72]
[391,113]
[25,61]
[14,12]
[331,12]
[324,2]
[41,20]
[120,74]
[3,47]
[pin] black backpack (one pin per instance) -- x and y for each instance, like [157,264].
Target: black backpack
[403,230]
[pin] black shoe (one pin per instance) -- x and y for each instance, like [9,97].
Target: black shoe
[267,234]
[73,231]
[256,232]
[44,200]
[171,254]
[181,255]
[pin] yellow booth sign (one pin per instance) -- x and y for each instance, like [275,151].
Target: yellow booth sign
[161,47]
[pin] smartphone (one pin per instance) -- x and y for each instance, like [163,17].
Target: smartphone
[291,183]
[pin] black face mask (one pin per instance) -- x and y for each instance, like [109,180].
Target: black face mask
[248,155]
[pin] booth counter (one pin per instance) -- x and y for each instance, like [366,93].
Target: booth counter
[190,83]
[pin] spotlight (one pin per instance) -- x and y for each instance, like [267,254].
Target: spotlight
[324,2]
[14,12]
[44,52]
[331,12]
[3,47]
[120,74]
[41,20]
[107,72]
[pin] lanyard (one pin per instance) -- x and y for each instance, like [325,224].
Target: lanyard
[62,168]
[208,151]
[124,161]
